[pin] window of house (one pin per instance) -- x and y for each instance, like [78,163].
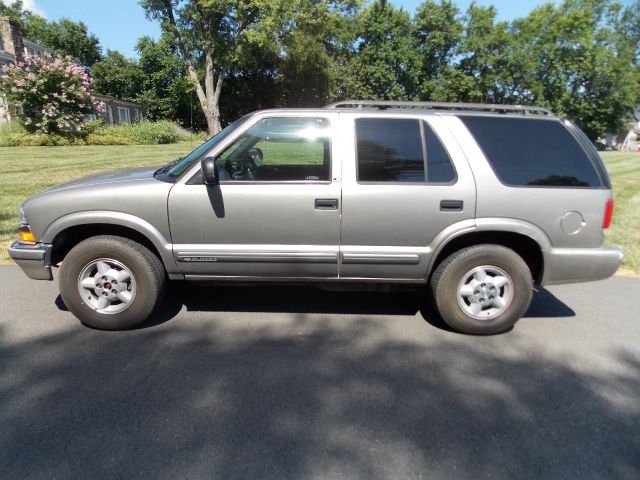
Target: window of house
[279,149]
[394,150]
[533,152]
[124,116]
[110,114]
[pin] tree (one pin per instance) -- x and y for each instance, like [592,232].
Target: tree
[489,70]
[384,60]
[166,87]
[118,76]
[438,33]
[64,36]
[323,34]
[583,61]
[211,36]
[53,93]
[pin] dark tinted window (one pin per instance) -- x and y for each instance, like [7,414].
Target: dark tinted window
[389,150]
[533,152]
[439,166]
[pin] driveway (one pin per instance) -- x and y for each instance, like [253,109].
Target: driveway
[300,383]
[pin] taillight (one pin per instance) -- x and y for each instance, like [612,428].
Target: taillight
[608,213]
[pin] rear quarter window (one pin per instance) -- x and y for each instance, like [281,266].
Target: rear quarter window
[533,152]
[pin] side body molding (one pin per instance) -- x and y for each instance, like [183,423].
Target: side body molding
[162,244]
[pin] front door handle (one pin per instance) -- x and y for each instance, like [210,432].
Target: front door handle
[326,203]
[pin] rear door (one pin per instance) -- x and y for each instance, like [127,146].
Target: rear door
[405,182]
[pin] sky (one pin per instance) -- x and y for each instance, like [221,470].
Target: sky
[119,23]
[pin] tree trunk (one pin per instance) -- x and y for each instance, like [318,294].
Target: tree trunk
[213,121]
[209,96]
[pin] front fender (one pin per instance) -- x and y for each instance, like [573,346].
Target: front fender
[162,244]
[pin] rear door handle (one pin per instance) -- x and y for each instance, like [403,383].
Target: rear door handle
[326,203]
[451,205]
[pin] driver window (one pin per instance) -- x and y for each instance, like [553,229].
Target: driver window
[279,149]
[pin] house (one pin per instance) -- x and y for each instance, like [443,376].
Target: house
[117,111]
[14,47]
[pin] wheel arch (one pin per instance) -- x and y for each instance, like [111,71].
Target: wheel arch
[525,239]
[66,232]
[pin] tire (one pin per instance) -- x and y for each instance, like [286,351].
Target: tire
[482,290]
[128,275]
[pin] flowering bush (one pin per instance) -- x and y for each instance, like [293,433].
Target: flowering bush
[53,93]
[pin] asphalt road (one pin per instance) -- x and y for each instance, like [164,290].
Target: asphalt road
[300,383]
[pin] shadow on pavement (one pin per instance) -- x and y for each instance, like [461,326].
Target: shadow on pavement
[313,300]
[303,396]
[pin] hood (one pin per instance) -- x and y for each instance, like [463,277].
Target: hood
[116,176]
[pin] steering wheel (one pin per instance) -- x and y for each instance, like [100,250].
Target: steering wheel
[252,158]
[245,165]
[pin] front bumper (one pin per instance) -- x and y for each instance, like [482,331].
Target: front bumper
[35,260]
[571,265]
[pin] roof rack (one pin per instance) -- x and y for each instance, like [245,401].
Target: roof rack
[484,107]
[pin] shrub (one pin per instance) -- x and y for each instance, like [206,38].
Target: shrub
[92,126]
[53,93]
[95,133]
[195,137]
[25,139]
[146,133]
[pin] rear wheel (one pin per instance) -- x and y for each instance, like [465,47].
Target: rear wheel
[111,283]
[483,289]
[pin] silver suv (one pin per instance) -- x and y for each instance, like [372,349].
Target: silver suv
[476,202]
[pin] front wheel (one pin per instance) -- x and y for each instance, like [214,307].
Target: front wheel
[483,289]
[111,283]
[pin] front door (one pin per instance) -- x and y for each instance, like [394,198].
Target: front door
[275,212]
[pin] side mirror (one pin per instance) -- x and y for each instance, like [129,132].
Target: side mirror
[209,172]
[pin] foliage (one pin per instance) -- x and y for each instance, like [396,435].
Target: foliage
[145,133]
[438,30]
[96,133]
[384,62]
[582,59]
[219,59]
[213,36]
[52,93]
[64,36]
[166,87]
[118,76]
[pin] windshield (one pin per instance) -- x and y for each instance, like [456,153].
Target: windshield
[185,163]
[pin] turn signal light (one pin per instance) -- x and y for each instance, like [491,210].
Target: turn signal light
[26,235]
[608,213]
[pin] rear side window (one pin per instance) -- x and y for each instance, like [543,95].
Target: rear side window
[439,166]
[393,150]
[533,152]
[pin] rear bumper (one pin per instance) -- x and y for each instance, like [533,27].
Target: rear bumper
[35,260]
[571,265]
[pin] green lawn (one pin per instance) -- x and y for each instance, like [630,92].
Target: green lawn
[624,169]
[25,171]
